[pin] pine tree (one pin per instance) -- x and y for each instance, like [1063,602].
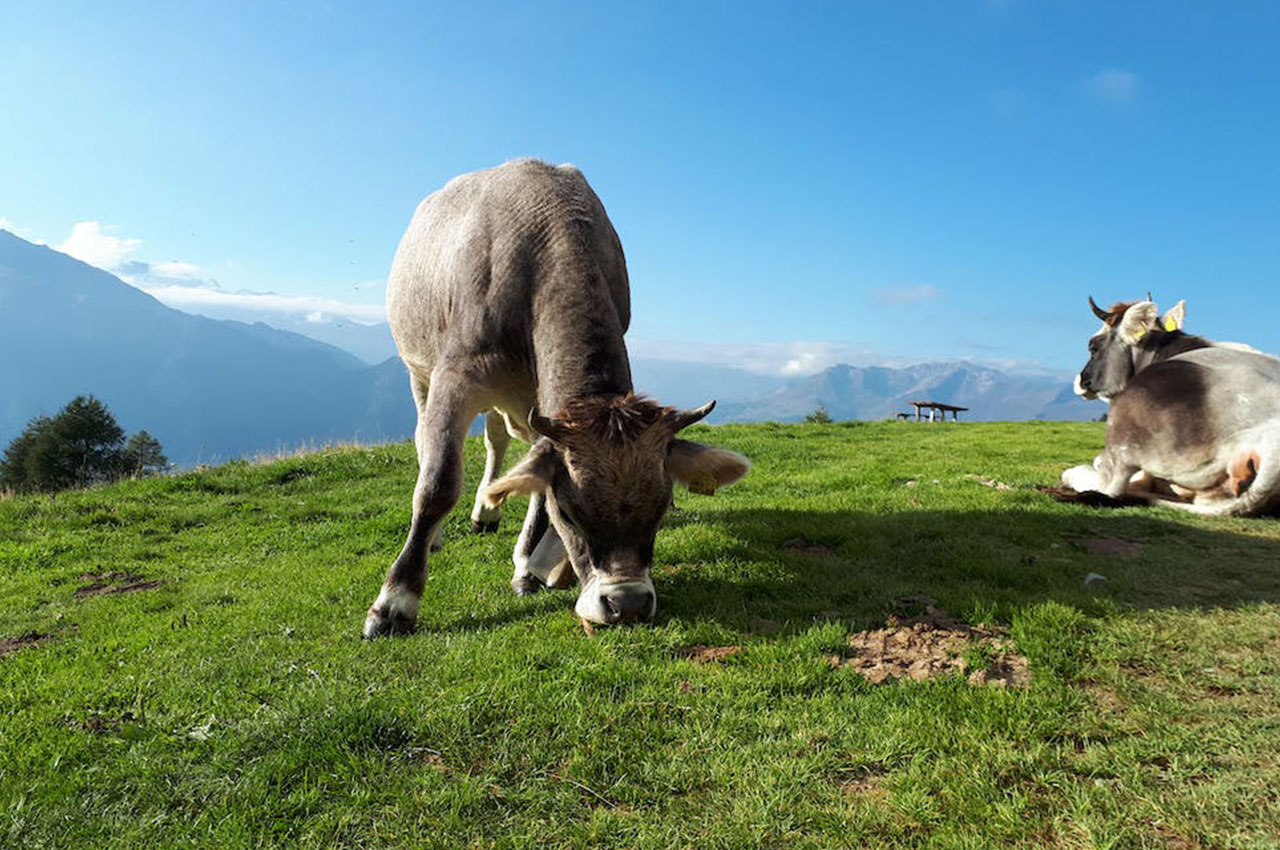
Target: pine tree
[15,471]
[143,456]
[78,447]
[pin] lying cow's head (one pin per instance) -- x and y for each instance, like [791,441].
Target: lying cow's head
[1112,360]
[607,467]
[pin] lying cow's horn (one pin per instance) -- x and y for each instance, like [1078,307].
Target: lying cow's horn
[684,418]
[549,428]
[1098,311]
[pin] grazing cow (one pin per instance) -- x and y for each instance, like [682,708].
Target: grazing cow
[1193,424]
[509,293]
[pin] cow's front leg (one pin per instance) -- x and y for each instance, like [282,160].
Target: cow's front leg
[442,425]
[1082,479]
[484,518]
[1114,474]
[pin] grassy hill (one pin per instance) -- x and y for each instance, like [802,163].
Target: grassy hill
[182,664]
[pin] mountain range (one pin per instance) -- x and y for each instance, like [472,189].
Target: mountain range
[208,389]
[213,389]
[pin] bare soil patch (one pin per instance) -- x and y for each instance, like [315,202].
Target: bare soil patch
[1091,498]
[30,639]
[865,785]
[932,646]
[808,547]
[709,654]
[105,584]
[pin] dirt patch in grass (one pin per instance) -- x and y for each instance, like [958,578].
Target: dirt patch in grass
[702,654]
[30,639]
[808,547]
[105,584]
[865,786]
[1091,498]
[1108,546]
[1172,840]
[932,646]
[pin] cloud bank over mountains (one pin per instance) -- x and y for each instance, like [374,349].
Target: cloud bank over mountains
[187,286]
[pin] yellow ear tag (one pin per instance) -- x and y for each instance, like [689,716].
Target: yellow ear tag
[1170,323]
[1139,334]
[704,484]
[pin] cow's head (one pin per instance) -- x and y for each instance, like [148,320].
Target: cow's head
[1111,350]
[606,466]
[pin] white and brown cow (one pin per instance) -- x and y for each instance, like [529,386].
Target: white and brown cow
[1193,424]
[509,293]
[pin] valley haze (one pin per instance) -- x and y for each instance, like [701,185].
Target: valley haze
[212,389]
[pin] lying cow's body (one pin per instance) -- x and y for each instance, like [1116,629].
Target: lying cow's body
[509,293]
[1192,424]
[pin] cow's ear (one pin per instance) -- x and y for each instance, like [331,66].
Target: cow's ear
[704,469]
[1175,318]
[531,475]
[1138,320]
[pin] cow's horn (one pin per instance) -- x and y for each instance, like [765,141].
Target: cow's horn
[1098,311]
[549,428]
[684,418]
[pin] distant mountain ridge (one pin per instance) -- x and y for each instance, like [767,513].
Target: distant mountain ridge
[880,392]
[214,389]
[208,389]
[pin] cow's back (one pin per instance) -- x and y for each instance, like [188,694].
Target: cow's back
[1187,405]
[489,252]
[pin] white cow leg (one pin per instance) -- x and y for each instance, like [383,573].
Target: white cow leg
[442,426]
[534,550]
[484,519]
[1082,479]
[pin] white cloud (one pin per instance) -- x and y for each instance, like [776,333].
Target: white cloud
[1114,86]
[178,269]
[90,242]
[765,358]
[312,308]
[909,294]
[186,286]
[6,224]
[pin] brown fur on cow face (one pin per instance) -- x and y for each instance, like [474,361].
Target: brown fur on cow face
[607,466]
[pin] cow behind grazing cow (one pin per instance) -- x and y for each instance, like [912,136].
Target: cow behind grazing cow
[1198,418]
[509,293]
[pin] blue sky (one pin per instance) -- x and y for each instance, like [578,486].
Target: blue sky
[795,184]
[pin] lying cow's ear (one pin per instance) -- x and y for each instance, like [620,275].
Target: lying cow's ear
[1175,318]
[704,469]
[1138,320]
[531,475]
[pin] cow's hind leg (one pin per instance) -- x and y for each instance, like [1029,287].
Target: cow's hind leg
[484,519]
[443,415]
[538,553]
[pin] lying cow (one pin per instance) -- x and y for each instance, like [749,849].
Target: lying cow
[1193,424]
[509,293]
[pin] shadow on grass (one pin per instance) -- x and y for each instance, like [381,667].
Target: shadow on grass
[797,566]
[792,567]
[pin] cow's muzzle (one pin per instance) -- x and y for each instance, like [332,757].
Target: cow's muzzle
[1082,389]
[614,602]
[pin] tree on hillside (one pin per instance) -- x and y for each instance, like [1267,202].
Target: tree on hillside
[14,465]
[82,445]
[818,417]
[143,456]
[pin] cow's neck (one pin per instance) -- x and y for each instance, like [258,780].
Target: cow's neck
[585,360]
[1160,345]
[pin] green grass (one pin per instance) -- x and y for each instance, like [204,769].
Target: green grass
[235,706]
